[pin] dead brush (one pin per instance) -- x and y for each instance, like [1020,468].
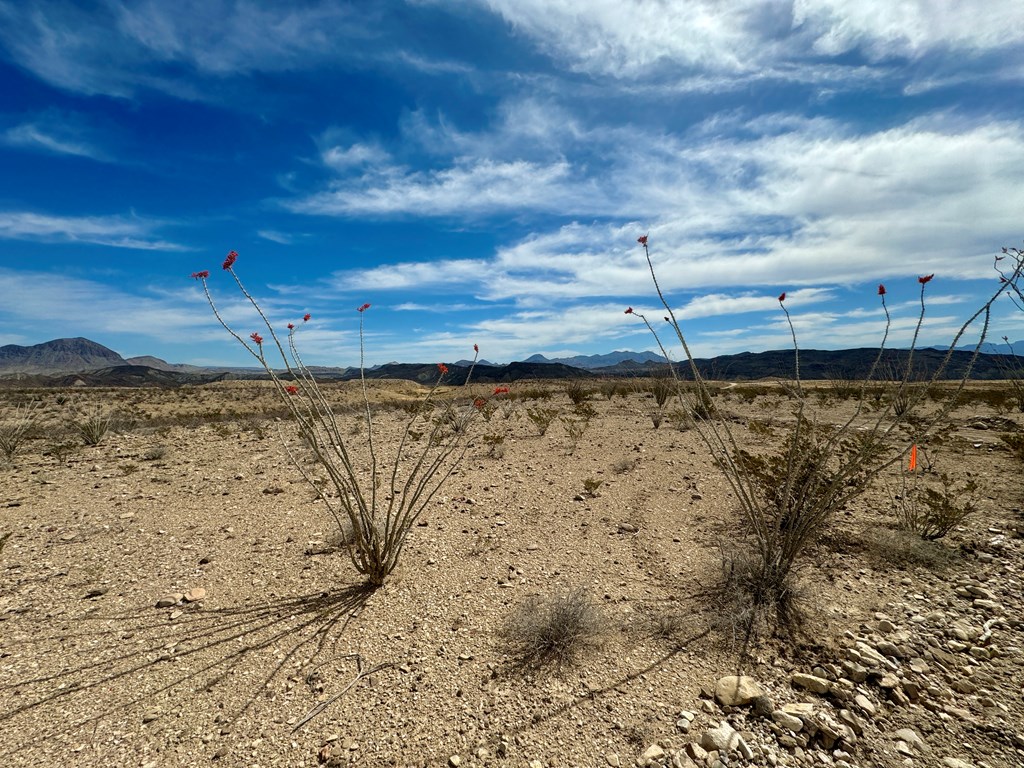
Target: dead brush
[553,630]
[786,499]
[15,427]
[375,491]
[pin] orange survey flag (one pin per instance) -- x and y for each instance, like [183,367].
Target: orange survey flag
[913,458]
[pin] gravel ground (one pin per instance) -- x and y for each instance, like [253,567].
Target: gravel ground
[199,503]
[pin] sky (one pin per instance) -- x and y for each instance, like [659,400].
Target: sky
[478,171]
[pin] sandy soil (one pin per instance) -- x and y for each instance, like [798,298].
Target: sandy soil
[199,495]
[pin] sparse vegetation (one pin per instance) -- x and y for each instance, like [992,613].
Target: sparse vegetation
[553,630]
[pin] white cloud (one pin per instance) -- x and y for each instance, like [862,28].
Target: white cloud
[910,28]
[114,231]
[468,188]
[633,39]
[411,275]
[36,135]
[120,47]
[274,236]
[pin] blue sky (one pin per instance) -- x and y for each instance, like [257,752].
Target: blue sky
[479,171]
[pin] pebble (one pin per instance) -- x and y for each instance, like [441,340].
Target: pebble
[169,599]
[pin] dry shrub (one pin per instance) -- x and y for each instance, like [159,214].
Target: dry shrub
[932,513]
[553,630]
[15,428]
[542,418]
[892,547]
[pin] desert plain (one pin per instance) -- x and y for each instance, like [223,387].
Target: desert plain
[176,595]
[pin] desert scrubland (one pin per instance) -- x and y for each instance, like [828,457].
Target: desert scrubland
[177,594]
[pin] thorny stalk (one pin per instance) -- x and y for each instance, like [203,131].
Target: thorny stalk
[380,516]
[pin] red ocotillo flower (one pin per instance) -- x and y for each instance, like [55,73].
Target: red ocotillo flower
[229,260]
[782,297]
[501,390]
[442,368]
[291,389]
[881,290]
[629,311]
[642,240]
[363,308]
[201,275]
[479,403]
[256,337]
[925,278]
[305,317]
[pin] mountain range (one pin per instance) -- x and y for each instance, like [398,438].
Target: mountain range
[81,362]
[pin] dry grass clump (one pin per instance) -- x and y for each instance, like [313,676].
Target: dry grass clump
[553,630]
[15,428]
[893,547]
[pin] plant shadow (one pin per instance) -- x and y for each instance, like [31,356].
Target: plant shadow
[138,662]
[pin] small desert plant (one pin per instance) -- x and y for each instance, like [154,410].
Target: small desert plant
[610,389]
[376,498]
[932,513]
[62,451]
[154,453]
[93,423]
[662,388]
[657,415]
[577,392]
[574,427]
[542,418]
[15,428]
[553,630]
[495,445]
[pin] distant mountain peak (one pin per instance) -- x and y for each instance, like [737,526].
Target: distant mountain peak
[588,362]
[58,356]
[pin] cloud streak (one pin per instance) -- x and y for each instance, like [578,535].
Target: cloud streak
[113,231]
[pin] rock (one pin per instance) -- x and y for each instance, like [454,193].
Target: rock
[723,738]
[150,716]
[683,725]
[169,599]
[94,593]
[194,595]
[811,683]
[627,528]
[613,760]
[955,762]
[763,707]
[911,737]
[695,751]
[454,761]
[653,752]
[889,649]
[788,721]
[737,691]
